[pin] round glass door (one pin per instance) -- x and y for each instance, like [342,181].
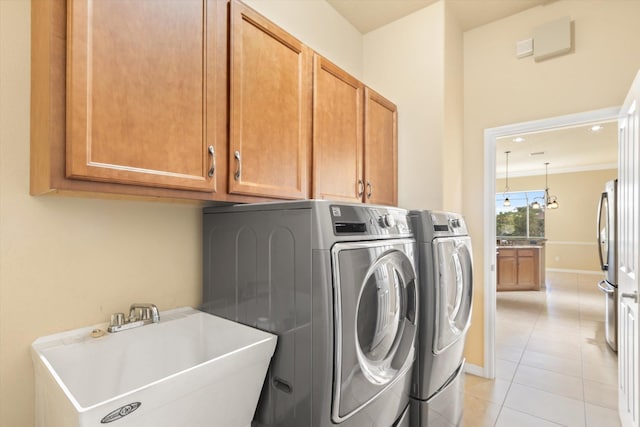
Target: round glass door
[376,309]
[454,299]
[453,291]
[387,302]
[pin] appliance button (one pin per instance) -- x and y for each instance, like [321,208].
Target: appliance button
[387,221]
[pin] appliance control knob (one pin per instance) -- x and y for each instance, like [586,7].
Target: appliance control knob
[387,221]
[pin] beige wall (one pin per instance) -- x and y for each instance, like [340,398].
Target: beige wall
[500,90]
[452,159]
[570,229]
[71,262]
[404,61]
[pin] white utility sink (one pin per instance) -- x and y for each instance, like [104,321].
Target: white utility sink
[191,369]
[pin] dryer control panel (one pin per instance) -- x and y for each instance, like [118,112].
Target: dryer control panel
[447,224]
[369,220]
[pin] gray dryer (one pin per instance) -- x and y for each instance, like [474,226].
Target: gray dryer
[445,274]
[336,282]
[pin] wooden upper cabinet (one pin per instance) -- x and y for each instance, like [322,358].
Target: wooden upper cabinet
[380,149]
[270,109]
[337,133]
[146,92]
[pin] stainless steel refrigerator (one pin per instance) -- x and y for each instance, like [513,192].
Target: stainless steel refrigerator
[607,240]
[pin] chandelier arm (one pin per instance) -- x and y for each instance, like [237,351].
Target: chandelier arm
[550,201]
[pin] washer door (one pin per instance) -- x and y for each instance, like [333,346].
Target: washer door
[375,297]
[454,288]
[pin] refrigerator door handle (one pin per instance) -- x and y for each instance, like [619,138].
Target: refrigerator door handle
[606,287]
[631,295]
[603,266]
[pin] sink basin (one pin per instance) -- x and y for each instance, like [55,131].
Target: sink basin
[191,369]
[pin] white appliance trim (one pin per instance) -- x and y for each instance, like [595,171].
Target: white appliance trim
[489,244]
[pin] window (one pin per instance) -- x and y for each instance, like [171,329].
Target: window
[519,219]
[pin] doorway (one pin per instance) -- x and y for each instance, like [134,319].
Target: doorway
[491,137]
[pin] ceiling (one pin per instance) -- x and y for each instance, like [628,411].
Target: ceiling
[567,150]
[367,15]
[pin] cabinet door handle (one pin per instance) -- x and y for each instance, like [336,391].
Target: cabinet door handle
[212,151]
[239,169]
[360,188]
[369,189]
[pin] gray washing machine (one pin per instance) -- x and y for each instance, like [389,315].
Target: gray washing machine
[336,282]
[445,273]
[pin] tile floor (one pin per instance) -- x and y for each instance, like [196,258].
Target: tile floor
[553,367]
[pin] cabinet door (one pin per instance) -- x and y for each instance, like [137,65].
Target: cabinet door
[270,128]
[527,269]
[507,270]
[337,133]
[145,97]
[380,149]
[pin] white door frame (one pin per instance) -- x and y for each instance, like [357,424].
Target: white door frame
[490,137]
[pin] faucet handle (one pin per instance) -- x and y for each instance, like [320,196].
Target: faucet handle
[155,314]
[117,319]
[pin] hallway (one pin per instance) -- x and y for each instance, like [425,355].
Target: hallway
[553,367]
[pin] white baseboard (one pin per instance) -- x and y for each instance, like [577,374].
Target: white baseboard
[474,370]
[567,270]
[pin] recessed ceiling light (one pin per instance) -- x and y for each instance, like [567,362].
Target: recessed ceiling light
[537,153]
[518,139]
[596,128]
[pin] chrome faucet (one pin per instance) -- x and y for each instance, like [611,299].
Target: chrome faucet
[139,315]
[148,313]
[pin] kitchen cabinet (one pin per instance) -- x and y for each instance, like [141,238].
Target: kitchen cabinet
[270,128]
[354,139]
[526,268]
[337,133]
[380,149]
[198,99]
[507,268]
[519,269]
[141,92]
[129,97]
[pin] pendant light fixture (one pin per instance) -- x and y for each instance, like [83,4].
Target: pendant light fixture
[551,202]
[507,202]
